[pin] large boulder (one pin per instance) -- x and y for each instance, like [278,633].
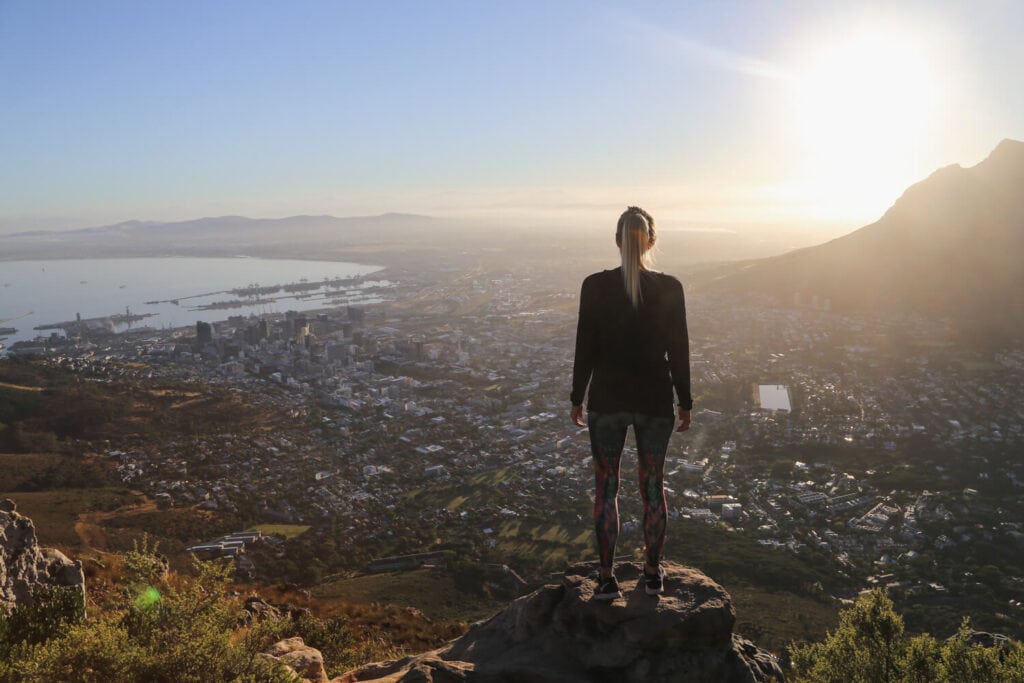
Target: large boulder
[305,661]
[561,634]
[24,565]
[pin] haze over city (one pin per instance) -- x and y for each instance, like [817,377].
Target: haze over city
[717,115]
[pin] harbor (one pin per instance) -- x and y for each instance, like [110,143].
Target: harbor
[116,295]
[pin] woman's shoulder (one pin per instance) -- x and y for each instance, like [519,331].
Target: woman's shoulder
[595,279]
[666,281]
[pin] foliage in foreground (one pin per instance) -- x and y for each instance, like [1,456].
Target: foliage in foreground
[163,629]
[869,647]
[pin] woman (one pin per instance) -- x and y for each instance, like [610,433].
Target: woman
[632,348]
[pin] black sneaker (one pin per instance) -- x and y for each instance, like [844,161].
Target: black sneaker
[654,585]
[607,589]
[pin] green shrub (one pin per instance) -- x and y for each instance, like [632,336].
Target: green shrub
[869,647]
[167,628]
[52,611]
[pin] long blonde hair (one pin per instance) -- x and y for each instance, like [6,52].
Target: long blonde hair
[635,236]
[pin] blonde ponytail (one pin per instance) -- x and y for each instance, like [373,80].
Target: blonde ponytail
[635,235]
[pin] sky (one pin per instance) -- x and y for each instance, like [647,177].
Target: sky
[716,115]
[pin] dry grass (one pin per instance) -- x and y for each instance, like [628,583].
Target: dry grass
[774,620]
[433,593]
[54,513]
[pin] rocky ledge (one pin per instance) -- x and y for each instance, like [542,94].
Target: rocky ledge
[24,565]
[561,634]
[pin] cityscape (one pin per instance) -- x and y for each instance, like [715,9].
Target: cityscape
[292,297]
[439,419]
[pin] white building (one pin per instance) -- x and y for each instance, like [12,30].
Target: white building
[773,398]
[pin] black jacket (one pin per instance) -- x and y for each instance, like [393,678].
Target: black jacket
[632,358]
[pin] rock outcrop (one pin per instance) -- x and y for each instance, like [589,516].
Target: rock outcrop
[257,609]
[560,634]
[305,661]
[24,565]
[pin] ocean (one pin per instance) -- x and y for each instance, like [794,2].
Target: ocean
[172,292]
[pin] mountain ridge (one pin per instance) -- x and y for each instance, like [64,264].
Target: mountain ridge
[215,220]
[288,237]
[950,245]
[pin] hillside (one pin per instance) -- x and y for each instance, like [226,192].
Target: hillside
[952,245]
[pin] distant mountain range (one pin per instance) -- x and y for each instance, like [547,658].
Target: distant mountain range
[227,235]
[953,244]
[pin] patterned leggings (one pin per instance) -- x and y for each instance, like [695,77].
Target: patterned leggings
[607,439]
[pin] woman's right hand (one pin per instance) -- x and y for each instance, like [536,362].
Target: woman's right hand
[684,420]
[576,415]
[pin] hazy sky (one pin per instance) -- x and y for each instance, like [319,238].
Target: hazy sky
[710,114]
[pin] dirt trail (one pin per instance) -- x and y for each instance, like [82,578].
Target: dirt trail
[89,529]
[19,387]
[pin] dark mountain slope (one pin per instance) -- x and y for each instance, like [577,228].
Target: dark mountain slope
[953,244]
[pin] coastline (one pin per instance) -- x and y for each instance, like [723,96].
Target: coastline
[115,293]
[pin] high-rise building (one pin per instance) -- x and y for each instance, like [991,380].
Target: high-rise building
[204,333]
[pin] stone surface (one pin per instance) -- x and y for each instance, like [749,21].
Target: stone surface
[24,565]
[560,634]
[305,661]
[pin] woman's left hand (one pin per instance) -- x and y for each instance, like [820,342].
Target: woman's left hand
[576,415]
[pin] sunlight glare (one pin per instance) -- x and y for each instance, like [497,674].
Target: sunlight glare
[863,109]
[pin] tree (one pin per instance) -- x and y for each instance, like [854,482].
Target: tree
[869,647]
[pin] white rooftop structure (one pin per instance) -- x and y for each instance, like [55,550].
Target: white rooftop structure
[773,397]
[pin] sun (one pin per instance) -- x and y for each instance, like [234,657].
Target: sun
[863,107]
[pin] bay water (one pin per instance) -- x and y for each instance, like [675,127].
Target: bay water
[46,292]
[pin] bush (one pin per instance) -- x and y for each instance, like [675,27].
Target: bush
[165,629]
[52,610]
[869,647]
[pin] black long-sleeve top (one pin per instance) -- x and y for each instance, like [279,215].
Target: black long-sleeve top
[632,358]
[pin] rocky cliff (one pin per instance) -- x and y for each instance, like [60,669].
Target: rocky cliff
[560,634]
[24,565]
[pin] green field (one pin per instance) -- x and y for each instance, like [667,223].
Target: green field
[285,530]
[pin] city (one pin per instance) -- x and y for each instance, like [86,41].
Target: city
[438,420]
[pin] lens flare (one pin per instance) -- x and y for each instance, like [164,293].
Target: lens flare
[147,598]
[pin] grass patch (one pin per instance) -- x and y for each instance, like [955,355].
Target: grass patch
[509,529]
[49,471]
[285,530]
[413,494]
[175,528]
[54,513]
[774,620]
[456,502]
[491,477]
[554,534]
[17,469]
[432,592]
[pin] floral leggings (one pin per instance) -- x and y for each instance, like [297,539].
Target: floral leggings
[607,439]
